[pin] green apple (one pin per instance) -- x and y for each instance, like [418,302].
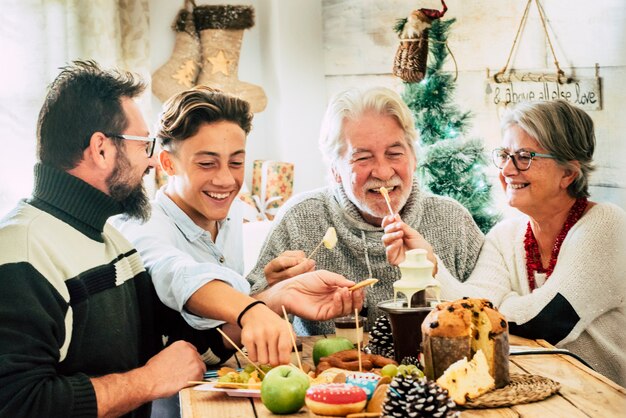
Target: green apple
[283,389]
[327,346]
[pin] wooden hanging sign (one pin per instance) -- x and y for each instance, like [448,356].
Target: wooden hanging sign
[507,87]
[584,93]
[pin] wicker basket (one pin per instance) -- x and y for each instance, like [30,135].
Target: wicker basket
[523,388]
[411,59]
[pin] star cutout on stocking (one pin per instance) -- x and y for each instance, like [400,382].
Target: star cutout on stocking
[220,63]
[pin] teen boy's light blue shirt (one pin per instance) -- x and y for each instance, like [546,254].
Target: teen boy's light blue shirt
[181,257]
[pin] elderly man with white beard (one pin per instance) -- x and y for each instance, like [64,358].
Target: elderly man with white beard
[368,141]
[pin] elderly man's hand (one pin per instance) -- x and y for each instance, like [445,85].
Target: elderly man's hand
[318,296]
[400,237]
[286,265]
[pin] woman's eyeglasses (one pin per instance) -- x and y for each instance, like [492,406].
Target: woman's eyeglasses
[521,159]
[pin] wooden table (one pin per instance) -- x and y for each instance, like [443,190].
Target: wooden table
[584,393]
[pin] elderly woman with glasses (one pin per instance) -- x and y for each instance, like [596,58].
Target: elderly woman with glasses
[559,272]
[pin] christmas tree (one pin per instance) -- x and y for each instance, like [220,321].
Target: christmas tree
[449,165]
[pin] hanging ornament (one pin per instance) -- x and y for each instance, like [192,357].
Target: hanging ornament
[181,71]
[412,54]
[221,29]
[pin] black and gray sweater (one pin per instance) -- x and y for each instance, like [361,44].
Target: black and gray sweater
[303,220]
[75,300]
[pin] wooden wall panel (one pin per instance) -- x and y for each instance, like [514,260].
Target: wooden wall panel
[359,46]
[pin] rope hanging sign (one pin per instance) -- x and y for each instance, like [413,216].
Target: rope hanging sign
[508,87]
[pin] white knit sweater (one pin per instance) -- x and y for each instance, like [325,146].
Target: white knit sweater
[581,307]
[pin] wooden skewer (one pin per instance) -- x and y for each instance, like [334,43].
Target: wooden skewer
[293,339]
[315,250]
[385,193]
[197,382]
[329,240]
[358,342]
[241,352]
[226,384]
[366,282]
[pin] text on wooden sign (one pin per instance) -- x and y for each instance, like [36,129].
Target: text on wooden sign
[584,93]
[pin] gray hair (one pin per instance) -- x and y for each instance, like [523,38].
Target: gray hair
[353,103]
[564,130]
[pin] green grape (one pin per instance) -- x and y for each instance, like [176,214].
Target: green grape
[230,377]
[266,367]
[249,368]
[390,370]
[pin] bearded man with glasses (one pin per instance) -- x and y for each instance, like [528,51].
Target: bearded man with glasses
[556,273]
[78,312]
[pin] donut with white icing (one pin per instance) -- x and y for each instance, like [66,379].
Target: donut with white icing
[335,399]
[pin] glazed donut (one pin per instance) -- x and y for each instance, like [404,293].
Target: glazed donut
[349,360]
[335,399]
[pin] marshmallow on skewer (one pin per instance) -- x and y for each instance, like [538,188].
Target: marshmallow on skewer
[330,238]
[329,241]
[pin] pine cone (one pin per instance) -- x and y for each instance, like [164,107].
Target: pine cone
[432,400]
[410,360]
[411,396]
[381,340]
[395,404]
[385,352]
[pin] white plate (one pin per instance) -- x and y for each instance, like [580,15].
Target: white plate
[247,393]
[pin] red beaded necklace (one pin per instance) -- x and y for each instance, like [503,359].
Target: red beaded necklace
[533,257]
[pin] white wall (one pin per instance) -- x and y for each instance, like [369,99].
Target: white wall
[283,54]
[303,51]
[359,47]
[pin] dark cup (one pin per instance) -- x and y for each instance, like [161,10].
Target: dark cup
[406,326]
[345,326]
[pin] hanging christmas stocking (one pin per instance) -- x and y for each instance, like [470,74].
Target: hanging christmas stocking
[221,32]
[181,71]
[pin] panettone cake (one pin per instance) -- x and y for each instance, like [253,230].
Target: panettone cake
[454,330]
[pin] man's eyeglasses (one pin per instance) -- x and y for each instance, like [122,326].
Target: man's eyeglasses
[150,140]
[521,159]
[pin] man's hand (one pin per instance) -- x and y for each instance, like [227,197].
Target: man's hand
[266,335]
[400,237]
[286,265]
[318,296]
[163,375]
[173,367]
